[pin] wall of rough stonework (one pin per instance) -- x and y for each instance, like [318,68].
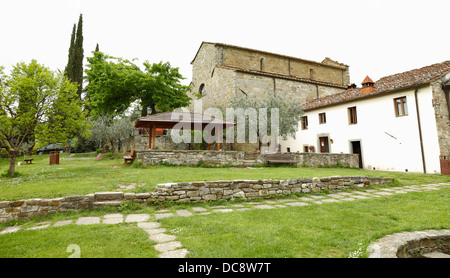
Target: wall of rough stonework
[248,189]
[442,115]
[223,84]
[279,64]
[239,158]
[181,191]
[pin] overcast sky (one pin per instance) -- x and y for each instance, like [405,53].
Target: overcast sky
[374,37]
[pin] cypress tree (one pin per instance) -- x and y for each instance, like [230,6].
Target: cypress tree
[79,56]
[68,72]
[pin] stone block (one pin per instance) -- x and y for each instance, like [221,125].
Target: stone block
[16,203]
[210,197]
[29,209]
[108,196]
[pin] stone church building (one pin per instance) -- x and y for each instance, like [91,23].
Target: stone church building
[221,72]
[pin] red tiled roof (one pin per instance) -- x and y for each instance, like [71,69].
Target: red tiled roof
[395,82]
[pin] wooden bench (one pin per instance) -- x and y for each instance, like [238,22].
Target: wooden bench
[28,160]
[280,158]
[130,157]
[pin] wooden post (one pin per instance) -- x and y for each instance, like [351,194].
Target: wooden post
[150,138]
[154,135]
[209,141]
[218,139]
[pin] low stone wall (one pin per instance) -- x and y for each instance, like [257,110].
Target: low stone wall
[238,158]
[248,189]
[183,192]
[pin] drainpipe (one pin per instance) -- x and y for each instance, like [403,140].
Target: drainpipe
[420,131]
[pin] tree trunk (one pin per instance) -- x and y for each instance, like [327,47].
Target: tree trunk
[12,164]
[112,148]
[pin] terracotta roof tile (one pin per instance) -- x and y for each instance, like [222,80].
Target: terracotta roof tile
[395,82]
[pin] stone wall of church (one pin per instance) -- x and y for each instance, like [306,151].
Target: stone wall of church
[221,84]
[442,115]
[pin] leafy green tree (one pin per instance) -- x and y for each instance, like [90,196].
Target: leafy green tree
[106,129]
[36,100]
[260,125]
[116,83]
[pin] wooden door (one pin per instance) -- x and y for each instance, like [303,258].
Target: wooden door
[323,144]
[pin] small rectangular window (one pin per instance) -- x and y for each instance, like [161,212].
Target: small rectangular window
[322,118]
[352,118]
[305,148]
[401,109]
[305,122]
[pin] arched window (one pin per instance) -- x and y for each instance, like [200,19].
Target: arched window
[202,89]
[261,64]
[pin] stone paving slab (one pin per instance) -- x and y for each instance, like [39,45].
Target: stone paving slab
[297,204]
[113,215]
[329,200]
[113,220]
[160,238]
[317,196]
[335,195]
[383,193]
[163,215]
[223,210]
[148,225]
[183,212]
[264,207]
[155,231]
[360,197]
[168,246]
[88,220]
[179,253]
[62,223]
[243,209]
[39,226]
[11,229]
[137,218]
[363,193]
[198,209]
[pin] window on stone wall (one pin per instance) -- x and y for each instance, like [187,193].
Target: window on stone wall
[401,109]
[304,122]
[261,63]
[322,118]
[202,89]
[352,119]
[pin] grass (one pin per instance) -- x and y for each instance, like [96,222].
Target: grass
[316,231]
[81,174]
[94,241]
[329,230]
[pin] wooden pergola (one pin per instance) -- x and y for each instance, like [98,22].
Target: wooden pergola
[178,120]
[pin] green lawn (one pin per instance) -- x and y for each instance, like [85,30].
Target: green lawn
[94,241]
[81,174]
[314,231]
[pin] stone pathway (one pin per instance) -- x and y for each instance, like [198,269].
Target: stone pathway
[169,247]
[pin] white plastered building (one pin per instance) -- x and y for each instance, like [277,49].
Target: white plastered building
[399,123]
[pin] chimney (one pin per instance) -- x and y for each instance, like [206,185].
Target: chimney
[351,86]
[368,86]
